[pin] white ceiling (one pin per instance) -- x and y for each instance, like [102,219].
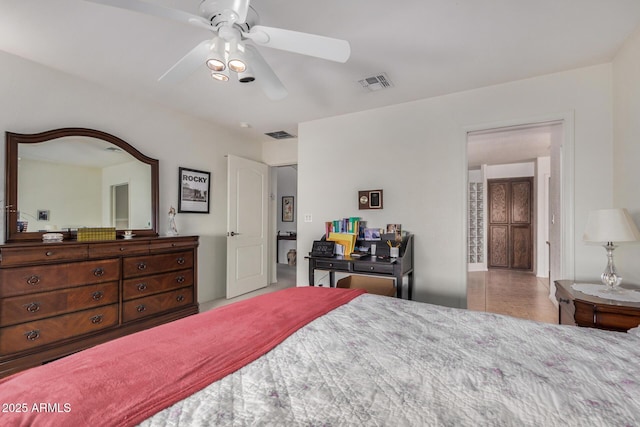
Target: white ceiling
[426,47]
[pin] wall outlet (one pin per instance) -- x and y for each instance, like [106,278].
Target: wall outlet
[308,218]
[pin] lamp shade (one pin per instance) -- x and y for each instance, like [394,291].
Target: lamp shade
[610,225]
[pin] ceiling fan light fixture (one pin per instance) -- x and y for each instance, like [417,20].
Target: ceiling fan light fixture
[237,65]
[215,64]
[216,58]
[219,76]
[237,61]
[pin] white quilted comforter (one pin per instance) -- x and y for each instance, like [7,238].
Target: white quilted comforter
[380,361]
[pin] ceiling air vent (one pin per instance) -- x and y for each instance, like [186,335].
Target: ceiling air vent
[377,82]
[280,134]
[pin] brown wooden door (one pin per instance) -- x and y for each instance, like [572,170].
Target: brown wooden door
[510,227]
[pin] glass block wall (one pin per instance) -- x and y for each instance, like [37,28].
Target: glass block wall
[476,223]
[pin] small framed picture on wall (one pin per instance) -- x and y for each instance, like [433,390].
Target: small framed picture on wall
[287,209]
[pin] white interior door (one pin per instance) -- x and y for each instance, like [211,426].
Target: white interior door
[247,238]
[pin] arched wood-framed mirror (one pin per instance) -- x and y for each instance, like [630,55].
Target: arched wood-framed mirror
[64,179]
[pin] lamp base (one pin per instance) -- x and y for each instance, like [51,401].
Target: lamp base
[610,277]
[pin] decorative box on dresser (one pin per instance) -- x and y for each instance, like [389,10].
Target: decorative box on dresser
[60,298]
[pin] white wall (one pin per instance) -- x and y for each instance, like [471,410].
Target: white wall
[280,152]
[65,192]
[416,153]
[36,99]
[543,172]
[138,176]
[512,170]
[626,160]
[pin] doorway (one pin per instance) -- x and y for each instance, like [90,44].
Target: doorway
[522,152]
[286,222]
[120,206]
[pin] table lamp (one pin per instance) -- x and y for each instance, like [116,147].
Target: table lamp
[608,226]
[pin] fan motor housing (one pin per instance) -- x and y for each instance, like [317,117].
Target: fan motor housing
[218,12]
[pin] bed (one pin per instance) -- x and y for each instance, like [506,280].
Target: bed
[318,356]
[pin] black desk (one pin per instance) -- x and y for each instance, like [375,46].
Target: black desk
[282,237]
[395,268]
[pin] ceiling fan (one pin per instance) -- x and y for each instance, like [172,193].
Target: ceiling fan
[234,23]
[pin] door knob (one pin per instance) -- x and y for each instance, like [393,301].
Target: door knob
[233,233]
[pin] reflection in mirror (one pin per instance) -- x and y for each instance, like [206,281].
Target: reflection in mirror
[65,179]
[82,182]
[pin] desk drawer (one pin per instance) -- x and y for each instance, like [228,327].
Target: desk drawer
[40,332]
[142,307]
[31,307]
[333,265]
[373,268]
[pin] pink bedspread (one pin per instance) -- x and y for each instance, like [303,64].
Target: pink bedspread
[124,381]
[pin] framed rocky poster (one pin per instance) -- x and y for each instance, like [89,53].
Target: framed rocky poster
[194,187]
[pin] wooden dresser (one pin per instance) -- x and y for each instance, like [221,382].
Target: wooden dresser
[60,298]
[577,308]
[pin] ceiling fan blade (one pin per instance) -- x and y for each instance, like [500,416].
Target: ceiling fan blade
[155,10]
[266,78]
[303,43]
[241,7]
[188,64]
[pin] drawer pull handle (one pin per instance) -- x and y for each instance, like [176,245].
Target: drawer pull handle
[122,249]
[97,295]
[141,308]
[142,287]
[180,298]
[32,335]
[564,301]
[372,268]
[97,319]
[142,266]
[33,307]
[49,253]
[330,264]
[180,279]
[98,272]
[33,280]
[180,260]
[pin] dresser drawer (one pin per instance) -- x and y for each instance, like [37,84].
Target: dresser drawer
[40,332]
[26,280]
[332,265]
[174,243]
[148,285]
[31,307]
[118,249]
[142,307]
[152,264]
[50,252]
[374,268]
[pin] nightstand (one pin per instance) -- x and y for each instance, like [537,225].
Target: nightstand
[577,308]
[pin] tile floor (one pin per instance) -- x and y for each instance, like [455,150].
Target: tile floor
[515,293]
